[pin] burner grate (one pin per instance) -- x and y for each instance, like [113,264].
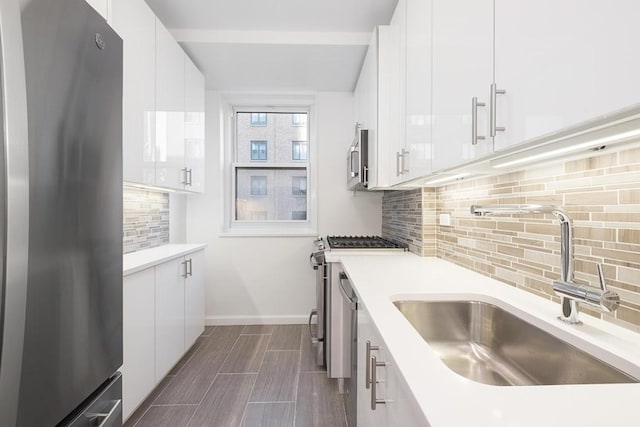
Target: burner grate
[361,242]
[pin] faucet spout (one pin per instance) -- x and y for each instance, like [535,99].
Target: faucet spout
[570,292]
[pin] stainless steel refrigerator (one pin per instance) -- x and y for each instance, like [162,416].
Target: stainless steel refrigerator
[60,215]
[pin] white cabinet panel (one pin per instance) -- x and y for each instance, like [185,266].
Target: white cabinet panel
[194,293]
[170,109]
[136,23]
[169,307]
[562,63]
[462,69]
[100,6]
[138,369]
[194,126]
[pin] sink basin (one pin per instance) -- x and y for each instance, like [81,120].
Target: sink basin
[487,344]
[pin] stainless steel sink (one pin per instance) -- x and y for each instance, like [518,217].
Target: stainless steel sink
[487,344]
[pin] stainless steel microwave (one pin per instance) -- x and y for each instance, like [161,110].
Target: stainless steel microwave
[358,161]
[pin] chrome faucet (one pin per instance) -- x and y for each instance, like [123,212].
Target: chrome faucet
[570,292]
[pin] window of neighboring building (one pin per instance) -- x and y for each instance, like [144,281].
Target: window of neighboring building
[298,185]
[299,215]
[258,119]
[299,150]
[258,185]
[258,150]
[299,119]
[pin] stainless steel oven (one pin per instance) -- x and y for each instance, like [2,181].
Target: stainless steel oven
[358,160]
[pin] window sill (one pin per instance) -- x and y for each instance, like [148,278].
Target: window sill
[269,233]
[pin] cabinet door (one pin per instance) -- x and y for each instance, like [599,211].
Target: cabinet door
[367,105]
[564,62]
[418,89]
[169,315]
[169,110]
[462,69]
[138,368]
[194,126]
[100,6]
[366,332]
[401,406]
[392,122]
[136,24]
[194,294]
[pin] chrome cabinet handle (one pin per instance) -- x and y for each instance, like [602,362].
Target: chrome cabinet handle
[474,120]
[398,160]
[374,384]
[367,374]
[184,176]
[494,129]
[314,312]
[185,271]
[405,156]
[189,177]
[190,262]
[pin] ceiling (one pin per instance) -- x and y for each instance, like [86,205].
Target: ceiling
[275,45]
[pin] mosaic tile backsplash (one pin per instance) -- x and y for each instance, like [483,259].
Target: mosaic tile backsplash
[409,217]
[146,219]
[601,194]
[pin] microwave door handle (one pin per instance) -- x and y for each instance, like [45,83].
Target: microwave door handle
[353,170]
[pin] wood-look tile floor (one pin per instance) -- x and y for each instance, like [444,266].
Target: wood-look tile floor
[249,376]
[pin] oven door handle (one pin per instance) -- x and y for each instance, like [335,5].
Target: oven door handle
[314,312]
[351,300]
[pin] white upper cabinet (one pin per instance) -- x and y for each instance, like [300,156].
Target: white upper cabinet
[194,127]
[462,72]
[562,63]
[418,89]
[136,23]
[100,6]
[170,111]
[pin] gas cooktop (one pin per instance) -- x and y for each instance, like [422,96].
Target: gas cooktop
[361,242]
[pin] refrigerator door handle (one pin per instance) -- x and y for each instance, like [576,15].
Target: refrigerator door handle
[112,418]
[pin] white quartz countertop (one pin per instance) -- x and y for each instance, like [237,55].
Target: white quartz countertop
[448,399]
[146,258]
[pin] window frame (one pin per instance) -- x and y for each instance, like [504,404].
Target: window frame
[233,104]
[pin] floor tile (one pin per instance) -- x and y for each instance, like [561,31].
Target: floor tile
[285,337]
[278,414]
[207,331]
[224,404]
[198,373]
[308,360]
[318,402]
[276,380]
[167,416]
[246,355]
[138,413]
[258,329]
[186,356]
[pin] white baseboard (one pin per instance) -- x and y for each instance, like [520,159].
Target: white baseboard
[256,320]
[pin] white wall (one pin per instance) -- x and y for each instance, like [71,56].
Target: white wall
[269,279]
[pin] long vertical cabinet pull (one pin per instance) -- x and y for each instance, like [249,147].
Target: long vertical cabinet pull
[474,120]
[405,156]
[190,272]
[398,163]
[189,177]
[185,271]
[185,173]
[367,374]
[374,383]
[492,110]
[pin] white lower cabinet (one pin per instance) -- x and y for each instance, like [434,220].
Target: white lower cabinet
[138,367]
[170,321]
[163,315]
[396,405]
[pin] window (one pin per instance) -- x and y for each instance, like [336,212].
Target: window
[258,150]
[258,185]
[298,119]
[299,186]
[258,119]
[270,177]
[299,215]
[299,150]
